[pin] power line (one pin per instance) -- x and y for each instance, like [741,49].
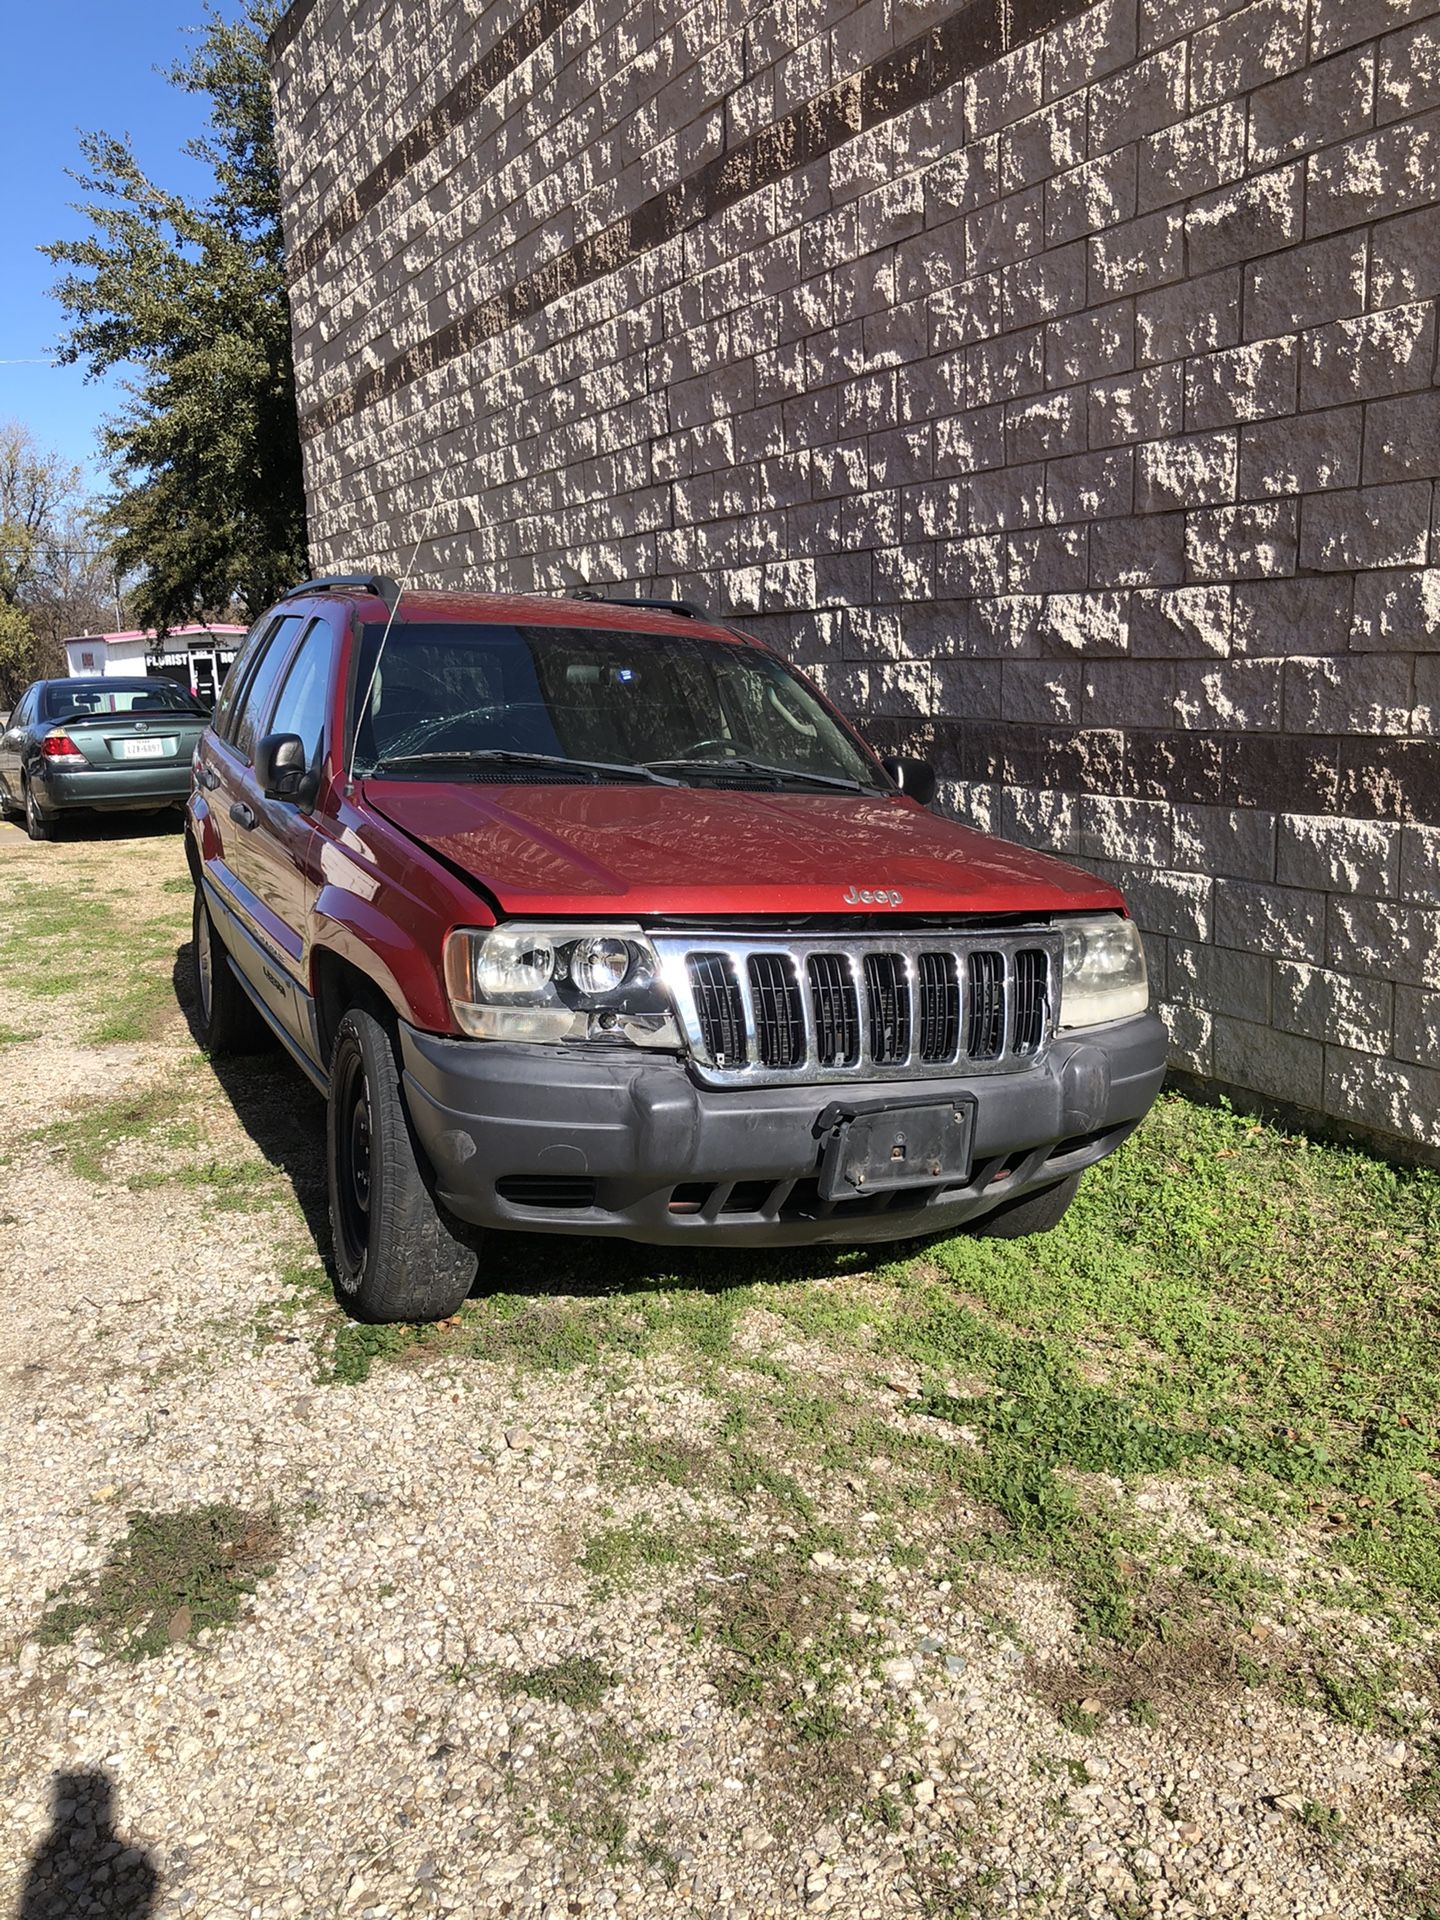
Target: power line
[70,553]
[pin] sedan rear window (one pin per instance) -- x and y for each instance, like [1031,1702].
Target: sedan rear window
[73,699]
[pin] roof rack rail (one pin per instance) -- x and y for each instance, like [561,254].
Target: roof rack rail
[689,608]
[380,584]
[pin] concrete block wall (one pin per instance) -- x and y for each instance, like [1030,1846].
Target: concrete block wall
[1058,384]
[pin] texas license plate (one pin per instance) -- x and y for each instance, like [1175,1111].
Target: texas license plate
[142,749]
[919,1146]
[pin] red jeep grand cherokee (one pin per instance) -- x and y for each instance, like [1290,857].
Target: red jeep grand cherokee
[595,917]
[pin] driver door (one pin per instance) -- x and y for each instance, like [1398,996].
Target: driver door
[226,758]
[276,857]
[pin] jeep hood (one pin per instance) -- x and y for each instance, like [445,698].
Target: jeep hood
[638,852]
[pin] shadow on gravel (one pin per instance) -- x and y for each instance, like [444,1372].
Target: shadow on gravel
[276,1105]
[106,829]
[83,1866]
[285,1117]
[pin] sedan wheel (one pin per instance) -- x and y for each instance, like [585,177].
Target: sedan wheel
[36,825]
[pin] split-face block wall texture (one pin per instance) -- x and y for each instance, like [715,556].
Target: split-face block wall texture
[1056,384]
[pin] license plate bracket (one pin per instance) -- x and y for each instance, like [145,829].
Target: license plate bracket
[880,1149]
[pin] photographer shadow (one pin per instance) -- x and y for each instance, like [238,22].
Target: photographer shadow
[82,1865]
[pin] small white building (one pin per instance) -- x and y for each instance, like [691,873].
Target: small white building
[198,657]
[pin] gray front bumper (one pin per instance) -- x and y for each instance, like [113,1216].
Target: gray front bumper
[549,1140]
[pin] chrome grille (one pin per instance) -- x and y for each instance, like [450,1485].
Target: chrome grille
[836,1009]
[1032,1000]
[887,993]
[720,1012]
[779,1024]
[939,1007]
[875,1006]
[987,1006]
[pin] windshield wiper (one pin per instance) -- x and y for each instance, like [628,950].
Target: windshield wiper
[737,765]
[507,757]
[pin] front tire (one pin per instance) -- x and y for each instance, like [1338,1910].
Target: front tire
[226,1020]
[395,1255]
[1032,1213]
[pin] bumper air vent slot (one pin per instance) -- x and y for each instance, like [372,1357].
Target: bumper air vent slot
[552,1191]
[747,1196]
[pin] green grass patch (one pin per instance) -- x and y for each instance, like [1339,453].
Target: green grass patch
[579,1681]
[1227,1304]
[155,1137]
[140,1007]
[589,1786]
[58,942]
[171,1576]
[619,1557]
[777,1626]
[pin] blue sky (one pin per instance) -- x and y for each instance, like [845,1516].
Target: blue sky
[76,66]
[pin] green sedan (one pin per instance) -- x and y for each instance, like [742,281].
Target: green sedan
[97,745]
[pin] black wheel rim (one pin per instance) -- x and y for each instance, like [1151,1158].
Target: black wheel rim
[353,1186]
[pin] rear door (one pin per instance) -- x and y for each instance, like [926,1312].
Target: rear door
[275,858]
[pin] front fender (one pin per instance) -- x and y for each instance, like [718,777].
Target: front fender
[393,959]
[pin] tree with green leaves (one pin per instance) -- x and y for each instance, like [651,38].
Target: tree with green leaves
[55,578]
[190,298]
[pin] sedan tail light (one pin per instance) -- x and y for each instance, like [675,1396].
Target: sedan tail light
[59,750]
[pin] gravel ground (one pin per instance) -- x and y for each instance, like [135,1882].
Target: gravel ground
[356,1741]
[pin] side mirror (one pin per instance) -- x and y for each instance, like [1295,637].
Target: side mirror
[914,778]
[280,769]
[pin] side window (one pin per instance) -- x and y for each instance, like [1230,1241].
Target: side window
[304,698]
[250,646]
[259,687]
[25,712]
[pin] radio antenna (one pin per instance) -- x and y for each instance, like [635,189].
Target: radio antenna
[400,593]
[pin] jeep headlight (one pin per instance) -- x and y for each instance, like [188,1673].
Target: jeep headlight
[530,981]
[1104,974]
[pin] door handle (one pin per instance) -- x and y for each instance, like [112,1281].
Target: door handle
[242,815]
[208,776]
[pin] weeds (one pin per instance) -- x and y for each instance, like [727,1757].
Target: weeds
[578,1681]
[616,1557]
[590,1789]
[155,1138]
[171,1576]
